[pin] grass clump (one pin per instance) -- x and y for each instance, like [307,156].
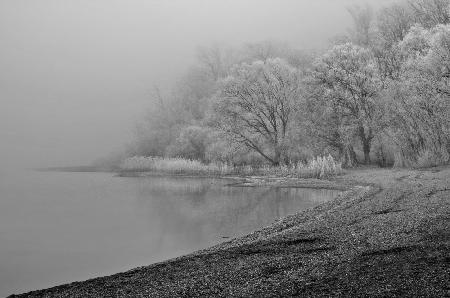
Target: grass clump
[320,167]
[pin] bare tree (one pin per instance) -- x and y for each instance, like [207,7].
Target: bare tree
[255,106]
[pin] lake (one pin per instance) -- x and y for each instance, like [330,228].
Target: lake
[58,227]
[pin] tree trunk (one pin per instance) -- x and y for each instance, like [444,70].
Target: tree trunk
[366,140]
[381,156]
[277,157]
[348,156]
[366,149]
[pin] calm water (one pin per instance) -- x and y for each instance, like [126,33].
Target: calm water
[61,227]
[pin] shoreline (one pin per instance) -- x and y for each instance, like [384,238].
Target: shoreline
[77,169]
[240,180]
[385,234]
[253,181]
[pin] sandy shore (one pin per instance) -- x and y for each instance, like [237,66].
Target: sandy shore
[387,234]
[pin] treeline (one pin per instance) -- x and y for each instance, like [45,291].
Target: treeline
[379,94]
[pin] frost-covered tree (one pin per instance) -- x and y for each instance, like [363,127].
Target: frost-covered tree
[421,98]
[326,127]
[393,22]
[348,74]
[255,106]
[392,25]
[430,13]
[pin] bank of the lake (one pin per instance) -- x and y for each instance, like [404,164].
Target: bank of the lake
[385,235]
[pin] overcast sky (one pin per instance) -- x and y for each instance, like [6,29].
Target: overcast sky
[75,76]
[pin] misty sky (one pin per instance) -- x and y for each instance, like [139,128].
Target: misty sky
[76,76]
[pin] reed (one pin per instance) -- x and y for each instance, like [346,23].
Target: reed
[319,167]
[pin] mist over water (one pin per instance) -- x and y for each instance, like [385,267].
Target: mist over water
[123,121]
[76,76]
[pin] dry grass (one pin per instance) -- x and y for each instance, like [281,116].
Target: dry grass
[173,166]
[319,167]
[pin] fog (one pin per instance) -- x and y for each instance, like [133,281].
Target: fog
[76,76]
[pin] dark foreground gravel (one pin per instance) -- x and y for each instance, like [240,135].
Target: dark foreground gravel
[387,235]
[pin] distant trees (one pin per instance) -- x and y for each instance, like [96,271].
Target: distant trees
[156,130]
[191,143]
[255,106]
[216,60]
[363,18]
[381,91]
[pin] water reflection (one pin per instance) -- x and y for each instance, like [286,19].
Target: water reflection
[61,227]
[189,213]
